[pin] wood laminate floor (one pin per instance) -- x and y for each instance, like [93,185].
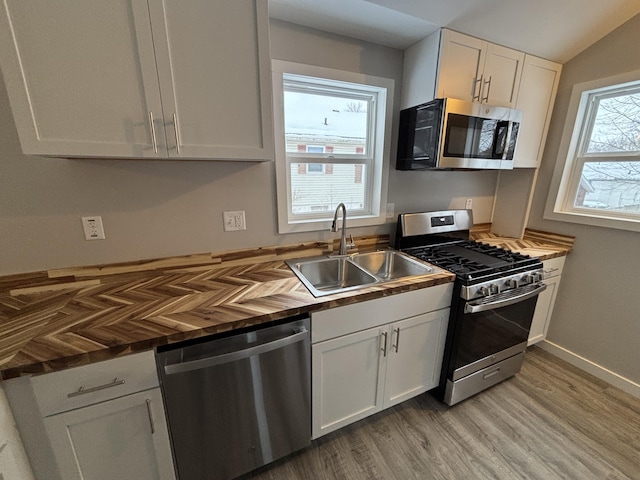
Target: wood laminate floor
[551,421]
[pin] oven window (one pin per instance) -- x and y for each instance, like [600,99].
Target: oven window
[486,333]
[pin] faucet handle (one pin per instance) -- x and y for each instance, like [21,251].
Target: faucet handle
[351,243]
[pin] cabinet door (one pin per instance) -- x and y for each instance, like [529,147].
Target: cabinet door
[501,76]
[81,77]
[415,356]
[543,311]
[215,77]
[463,59]
[122,438]
[536,97]
[347,375]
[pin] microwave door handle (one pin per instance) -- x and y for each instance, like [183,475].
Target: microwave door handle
[502,139]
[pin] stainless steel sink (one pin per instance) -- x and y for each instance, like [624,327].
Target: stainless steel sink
[327,275]
[391,265]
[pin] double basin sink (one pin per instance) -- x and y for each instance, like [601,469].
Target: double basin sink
[334,274]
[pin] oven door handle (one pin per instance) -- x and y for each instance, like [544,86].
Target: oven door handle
[503,302]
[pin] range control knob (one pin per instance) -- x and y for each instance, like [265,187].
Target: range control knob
[512,283]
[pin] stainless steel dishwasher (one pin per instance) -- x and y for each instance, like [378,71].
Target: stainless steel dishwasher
[239,401]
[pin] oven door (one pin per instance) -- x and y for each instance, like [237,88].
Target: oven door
[489,340]
[489,328]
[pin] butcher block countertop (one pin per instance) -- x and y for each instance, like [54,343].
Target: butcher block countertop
[56,319]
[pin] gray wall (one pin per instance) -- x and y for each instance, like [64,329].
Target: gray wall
[155,209]
[597,314]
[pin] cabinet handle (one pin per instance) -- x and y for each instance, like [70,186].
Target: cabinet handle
[488,83]
[397,332]
[474,87]
[82,390]
[177,130]
[551,270]
[154,142]
[384,345]
[151,424]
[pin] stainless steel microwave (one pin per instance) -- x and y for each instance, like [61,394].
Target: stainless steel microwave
[447,133]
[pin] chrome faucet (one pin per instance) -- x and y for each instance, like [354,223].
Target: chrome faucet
[343,235]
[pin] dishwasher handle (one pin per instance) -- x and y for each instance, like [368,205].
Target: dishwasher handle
[237,355]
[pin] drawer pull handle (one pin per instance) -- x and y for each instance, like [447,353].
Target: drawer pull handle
[81,391]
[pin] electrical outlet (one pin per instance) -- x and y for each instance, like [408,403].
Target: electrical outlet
[93,229]
[469,204]
[234,221]
[390,209]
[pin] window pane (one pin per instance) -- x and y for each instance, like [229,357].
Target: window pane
[326,124]
[318,188]
[617,125]
[610,186]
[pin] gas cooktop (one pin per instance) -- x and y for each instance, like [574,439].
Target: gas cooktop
[470,260]
[442,238]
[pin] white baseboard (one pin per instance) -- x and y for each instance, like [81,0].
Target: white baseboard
[594,369]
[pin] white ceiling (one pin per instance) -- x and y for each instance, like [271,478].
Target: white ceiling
[554,29]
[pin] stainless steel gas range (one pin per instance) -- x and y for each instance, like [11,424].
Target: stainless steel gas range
[494,298]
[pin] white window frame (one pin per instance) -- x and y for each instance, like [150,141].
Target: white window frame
[377,168]
[569,163]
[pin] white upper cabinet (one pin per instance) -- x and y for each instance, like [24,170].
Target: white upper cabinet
[474,70]
[138,78]
[78,76]
[215,77]
[538,89]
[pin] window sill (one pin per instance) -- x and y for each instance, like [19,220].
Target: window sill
[589,219]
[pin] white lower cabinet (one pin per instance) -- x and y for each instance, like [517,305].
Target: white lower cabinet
[123,438]
[366,357]
[546,300]
[100,421]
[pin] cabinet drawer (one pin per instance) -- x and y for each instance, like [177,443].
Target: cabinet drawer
[81,386]
[553,267]
[340,321]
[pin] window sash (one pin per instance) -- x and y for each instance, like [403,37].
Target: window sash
[343,90]
[370,166]
[577,160]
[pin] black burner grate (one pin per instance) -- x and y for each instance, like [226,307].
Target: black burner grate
[471,260]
